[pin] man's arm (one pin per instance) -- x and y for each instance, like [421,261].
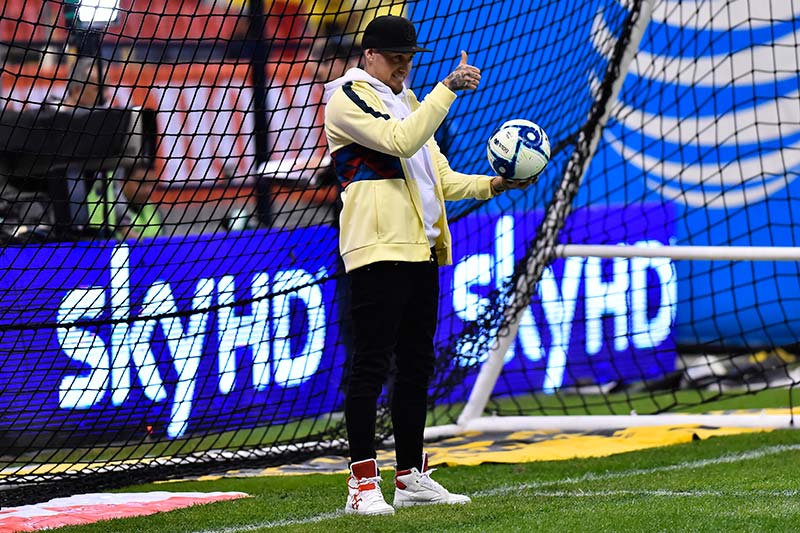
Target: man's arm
[458,186]
[354,115]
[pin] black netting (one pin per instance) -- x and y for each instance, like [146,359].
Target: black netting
[171,295]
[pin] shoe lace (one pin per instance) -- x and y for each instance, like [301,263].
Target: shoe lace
[427,480]
[370,495]
[365,480]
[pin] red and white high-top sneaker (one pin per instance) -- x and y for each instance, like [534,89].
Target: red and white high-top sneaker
[364,492]
[413,487]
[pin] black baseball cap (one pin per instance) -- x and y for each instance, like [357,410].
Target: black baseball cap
[391,33]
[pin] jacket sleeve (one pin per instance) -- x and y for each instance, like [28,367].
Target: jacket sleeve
[352,114]
[458,186]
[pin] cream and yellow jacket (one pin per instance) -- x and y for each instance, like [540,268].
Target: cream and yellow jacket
[382,217]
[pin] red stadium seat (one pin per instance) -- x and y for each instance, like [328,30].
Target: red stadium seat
[285,19]
[39,21]
[26,21]
[175,20]
[193,19]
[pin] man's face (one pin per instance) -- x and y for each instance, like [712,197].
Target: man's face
[392,68]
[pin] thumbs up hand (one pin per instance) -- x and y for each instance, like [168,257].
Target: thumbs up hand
[464,77]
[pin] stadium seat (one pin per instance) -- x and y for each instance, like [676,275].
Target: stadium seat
[284,20]
[26,21]
[175,20]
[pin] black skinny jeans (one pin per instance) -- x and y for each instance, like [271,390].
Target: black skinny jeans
[394,311]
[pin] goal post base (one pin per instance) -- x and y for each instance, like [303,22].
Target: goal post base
[491,424]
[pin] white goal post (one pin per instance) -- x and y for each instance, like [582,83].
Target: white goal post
[471,418]
[692,253]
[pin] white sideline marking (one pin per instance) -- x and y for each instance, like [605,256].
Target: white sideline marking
[277,523]
[665,492]
[589,476]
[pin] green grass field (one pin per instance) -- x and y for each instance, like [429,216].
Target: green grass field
[739,483]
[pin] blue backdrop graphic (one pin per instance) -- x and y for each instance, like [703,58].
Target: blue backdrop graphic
[268,359]
[592,320]
[133,347]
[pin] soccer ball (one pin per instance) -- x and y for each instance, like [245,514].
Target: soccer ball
[518,150]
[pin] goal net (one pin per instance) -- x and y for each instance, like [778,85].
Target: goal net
[674,284]
[171,297]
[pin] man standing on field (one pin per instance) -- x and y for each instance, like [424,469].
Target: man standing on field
[393,236]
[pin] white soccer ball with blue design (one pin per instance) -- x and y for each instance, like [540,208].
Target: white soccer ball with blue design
[518,150]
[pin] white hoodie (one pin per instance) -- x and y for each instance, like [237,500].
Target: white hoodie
[420,165]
